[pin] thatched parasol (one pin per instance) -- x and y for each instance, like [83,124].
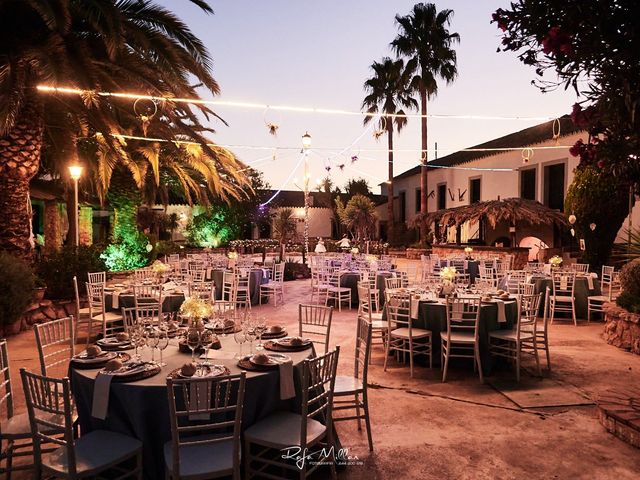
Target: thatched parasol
[511,210]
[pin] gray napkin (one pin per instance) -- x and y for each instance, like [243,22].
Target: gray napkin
[287,388]
[101,396]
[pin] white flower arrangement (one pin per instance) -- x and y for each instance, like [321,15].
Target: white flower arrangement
[233,255]
[555,261]
[195,308]
[448,273]
[159,267]
[468,250]
[355,250]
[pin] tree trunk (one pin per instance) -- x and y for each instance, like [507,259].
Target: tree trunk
[52,228]
[424,188]
[390,216]
[19,162]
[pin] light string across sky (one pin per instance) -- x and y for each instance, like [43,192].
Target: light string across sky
[333,152]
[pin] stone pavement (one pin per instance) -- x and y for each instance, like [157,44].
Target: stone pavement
[424,429]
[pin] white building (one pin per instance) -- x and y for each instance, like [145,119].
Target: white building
[465,177]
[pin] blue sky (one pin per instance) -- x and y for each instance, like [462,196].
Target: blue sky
[318,54]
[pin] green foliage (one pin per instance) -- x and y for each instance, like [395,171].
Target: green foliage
[284,225]
[293,269]
[359,216]
[212,228]
[16,284]
[596,197]
[629,302]
[630,278]
[128,249]
[357,186]
[58,269]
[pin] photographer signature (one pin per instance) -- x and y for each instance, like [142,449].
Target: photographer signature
[302,456]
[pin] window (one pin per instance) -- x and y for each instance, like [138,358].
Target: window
[528,184]
[554,186]
[474,190]
[402,196]
[418,193]
[442,196]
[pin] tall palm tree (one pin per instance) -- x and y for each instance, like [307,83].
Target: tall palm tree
[359,216]
[424,39]
[106,45]
[388,92]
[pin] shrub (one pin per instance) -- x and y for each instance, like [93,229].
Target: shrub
[57,269]
[16,284]
[630,278]
[629,302]
[292,269]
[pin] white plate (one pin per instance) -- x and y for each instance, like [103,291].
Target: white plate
[103,357]
[274,359]
[286,342]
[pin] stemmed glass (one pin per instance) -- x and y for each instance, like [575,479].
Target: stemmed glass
[207,339]
[153,338]
[193,341]
[260,328]
[163,341]
[239,337]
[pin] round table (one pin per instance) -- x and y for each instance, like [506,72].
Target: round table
[257,277]
[171,302]
[351,279]
[141,409]
[433,316]
[581,292]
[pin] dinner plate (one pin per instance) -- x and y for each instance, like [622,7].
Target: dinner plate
[205,371]
[286,342]
[274,360]
[112,342]
[102,357]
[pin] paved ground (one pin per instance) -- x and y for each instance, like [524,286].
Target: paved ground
[424,429]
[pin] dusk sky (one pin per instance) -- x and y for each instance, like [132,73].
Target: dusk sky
[318,54]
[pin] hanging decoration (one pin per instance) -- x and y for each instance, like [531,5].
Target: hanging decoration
[592,226]
[145,110]
[527,154]
[272,126]
[380,131]
[354,158]
[556,130]
[573,232]
[572,219]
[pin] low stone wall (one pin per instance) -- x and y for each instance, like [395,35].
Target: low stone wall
[622,328]
[41,312]
[414,253]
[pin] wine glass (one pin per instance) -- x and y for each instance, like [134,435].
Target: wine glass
[250,334]
[207,339]
[163,341]
[193,341]
[153,337]
[239,337]
[260,327]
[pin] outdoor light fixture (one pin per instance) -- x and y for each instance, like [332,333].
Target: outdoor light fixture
[572,219]
[306,141]
[76,172]
[592,226]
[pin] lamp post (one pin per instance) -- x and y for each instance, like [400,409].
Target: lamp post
[306,145]
[76,172]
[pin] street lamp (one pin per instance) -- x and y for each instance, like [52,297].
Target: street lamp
[76,172]
[306,145]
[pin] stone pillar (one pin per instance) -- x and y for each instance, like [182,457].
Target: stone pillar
[52,227]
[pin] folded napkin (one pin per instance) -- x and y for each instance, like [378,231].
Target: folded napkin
[528,278]
[287,388]
[564,282]
[502,317]
[466,265]
[415,303]
[209,273]
[546,268]
[502,284]
[198,401]
[590,282]
[115,296]
[101,396]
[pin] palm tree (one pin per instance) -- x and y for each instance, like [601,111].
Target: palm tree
[424,39]
[111,45]
[284,227]
[388,90]
[359,216]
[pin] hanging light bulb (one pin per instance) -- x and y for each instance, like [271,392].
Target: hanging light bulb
[306,141]
[573,232]
[592,226]
[572,219]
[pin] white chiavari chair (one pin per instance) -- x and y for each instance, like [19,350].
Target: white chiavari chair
[315,321]
[55,343]
[336,293]
[461,340]
[275,286]
[608,292]
[108,320]
[97,277]
[83,315]
[563,295]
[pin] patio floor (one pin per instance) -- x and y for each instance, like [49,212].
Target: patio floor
[423,429]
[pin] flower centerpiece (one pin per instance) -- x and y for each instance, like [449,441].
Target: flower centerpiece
[195,309]
[160,268]
[355,250]
[555,261]
[447,274]
[468,251]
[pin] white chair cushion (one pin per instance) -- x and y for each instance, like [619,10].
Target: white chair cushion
[199,460]
[415,333]
[597,298]
[459,337]
[562,298]
[94,451]
[339,289]
[84,310]
[108,316]
[377,316]
[379,325]
[282,429]
[510,335]
[345,385]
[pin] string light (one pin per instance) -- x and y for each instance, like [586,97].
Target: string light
[286,182]
[288,108]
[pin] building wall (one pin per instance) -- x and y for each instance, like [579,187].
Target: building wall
[494,184]
[319,221]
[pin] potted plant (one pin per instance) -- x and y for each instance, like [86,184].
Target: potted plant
[39,289]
